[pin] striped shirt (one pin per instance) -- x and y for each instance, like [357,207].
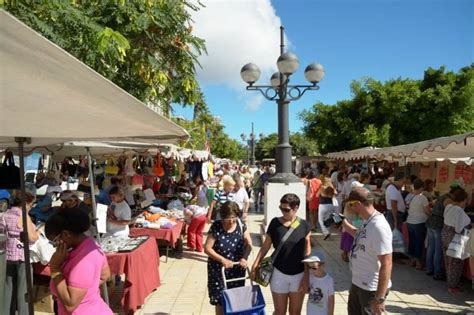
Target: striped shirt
[222,197]
[9,225]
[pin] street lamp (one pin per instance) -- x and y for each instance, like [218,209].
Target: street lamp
[280,91]
[251,144]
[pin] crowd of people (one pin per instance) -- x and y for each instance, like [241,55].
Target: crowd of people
[348,199]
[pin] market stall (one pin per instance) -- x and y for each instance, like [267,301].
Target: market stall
[171,235]
[49,97]
[442,160]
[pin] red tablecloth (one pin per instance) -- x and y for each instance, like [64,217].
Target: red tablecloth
[141,273]
[140,268]
[170,235]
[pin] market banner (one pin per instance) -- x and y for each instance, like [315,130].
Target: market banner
[458,171]
[467,174]
[443,174]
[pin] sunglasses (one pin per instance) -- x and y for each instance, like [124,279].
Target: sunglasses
[352,203]
[313,268]
[55,240]
[229,220]
[285,209]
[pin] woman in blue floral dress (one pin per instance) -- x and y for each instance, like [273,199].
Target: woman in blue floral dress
[228,241]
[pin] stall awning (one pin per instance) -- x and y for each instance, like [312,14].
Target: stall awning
[356,154]
[48,95]
[457,148]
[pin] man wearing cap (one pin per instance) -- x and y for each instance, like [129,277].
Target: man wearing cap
[396,207]
[71,200]
[371,255]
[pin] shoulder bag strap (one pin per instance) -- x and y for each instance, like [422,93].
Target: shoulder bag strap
[287,235]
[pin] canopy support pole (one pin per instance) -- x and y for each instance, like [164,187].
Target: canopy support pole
[24,234]
[94,211]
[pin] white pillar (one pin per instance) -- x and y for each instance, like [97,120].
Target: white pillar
[273,194]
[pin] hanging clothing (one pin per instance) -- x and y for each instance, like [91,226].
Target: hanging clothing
[205,171]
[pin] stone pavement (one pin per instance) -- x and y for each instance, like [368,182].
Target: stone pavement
[183,287]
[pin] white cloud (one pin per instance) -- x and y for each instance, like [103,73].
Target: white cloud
[254,102]
[237,32]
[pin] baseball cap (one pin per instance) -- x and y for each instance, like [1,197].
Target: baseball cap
[4,194]
[68,195]
[360,194]
[315,257]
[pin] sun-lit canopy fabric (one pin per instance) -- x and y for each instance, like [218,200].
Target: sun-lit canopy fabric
[356,154]
[458,148]
[101,150]
[48,95]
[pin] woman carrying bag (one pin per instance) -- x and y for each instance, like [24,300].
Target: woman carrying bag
[455,220]
[289,280]
[228,241]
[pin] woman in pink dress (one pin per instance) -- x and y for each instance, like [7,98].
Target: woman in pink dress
[78,267]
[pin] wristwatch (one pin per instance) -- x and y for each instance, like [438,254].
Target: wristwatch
[379,300]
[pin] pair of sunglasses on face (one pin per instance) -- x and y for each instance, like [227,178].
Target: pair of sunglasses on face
[55,240]
[285,209]
[352,203]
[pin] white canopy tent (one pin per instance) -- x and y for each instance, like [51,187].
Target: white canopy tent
[51,97]
[104,149]
[48,97]
[458,148]
[356,154]
[453,148]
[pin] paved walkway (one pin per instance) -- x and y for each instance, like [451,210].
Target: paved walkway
[183,288]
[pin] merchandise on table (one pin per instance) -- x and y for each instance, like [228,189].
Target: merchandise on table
[121,244]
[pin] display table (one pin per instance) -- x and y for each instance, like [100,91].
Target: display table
[141,273]
[171,236]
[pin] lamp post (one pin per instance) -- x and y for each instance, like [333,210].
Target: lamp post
[250,146]
[283,93]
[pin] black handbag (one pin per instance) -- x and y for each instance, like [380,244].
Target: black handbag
[9,173]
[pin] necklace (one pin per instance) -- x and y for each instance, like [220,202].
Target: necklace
[371,217]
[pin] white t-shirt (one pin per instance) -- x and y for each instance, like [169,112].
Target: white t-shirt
[320,289]
[334,178]
[392,193]
[122,212]
[346,189]
[456,217]
[241,197]
[416,212]
[201,195]
[373,238]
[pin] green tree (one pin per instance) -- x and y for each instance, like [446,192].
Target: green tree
[145,47]
[301,146]
[205,126]
[395,112]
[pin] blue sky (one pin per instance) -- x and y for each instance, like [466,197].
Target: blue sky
[351,39]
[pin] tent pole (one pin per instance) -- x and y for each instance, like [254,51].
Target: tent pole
[94,211]
[24,234]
